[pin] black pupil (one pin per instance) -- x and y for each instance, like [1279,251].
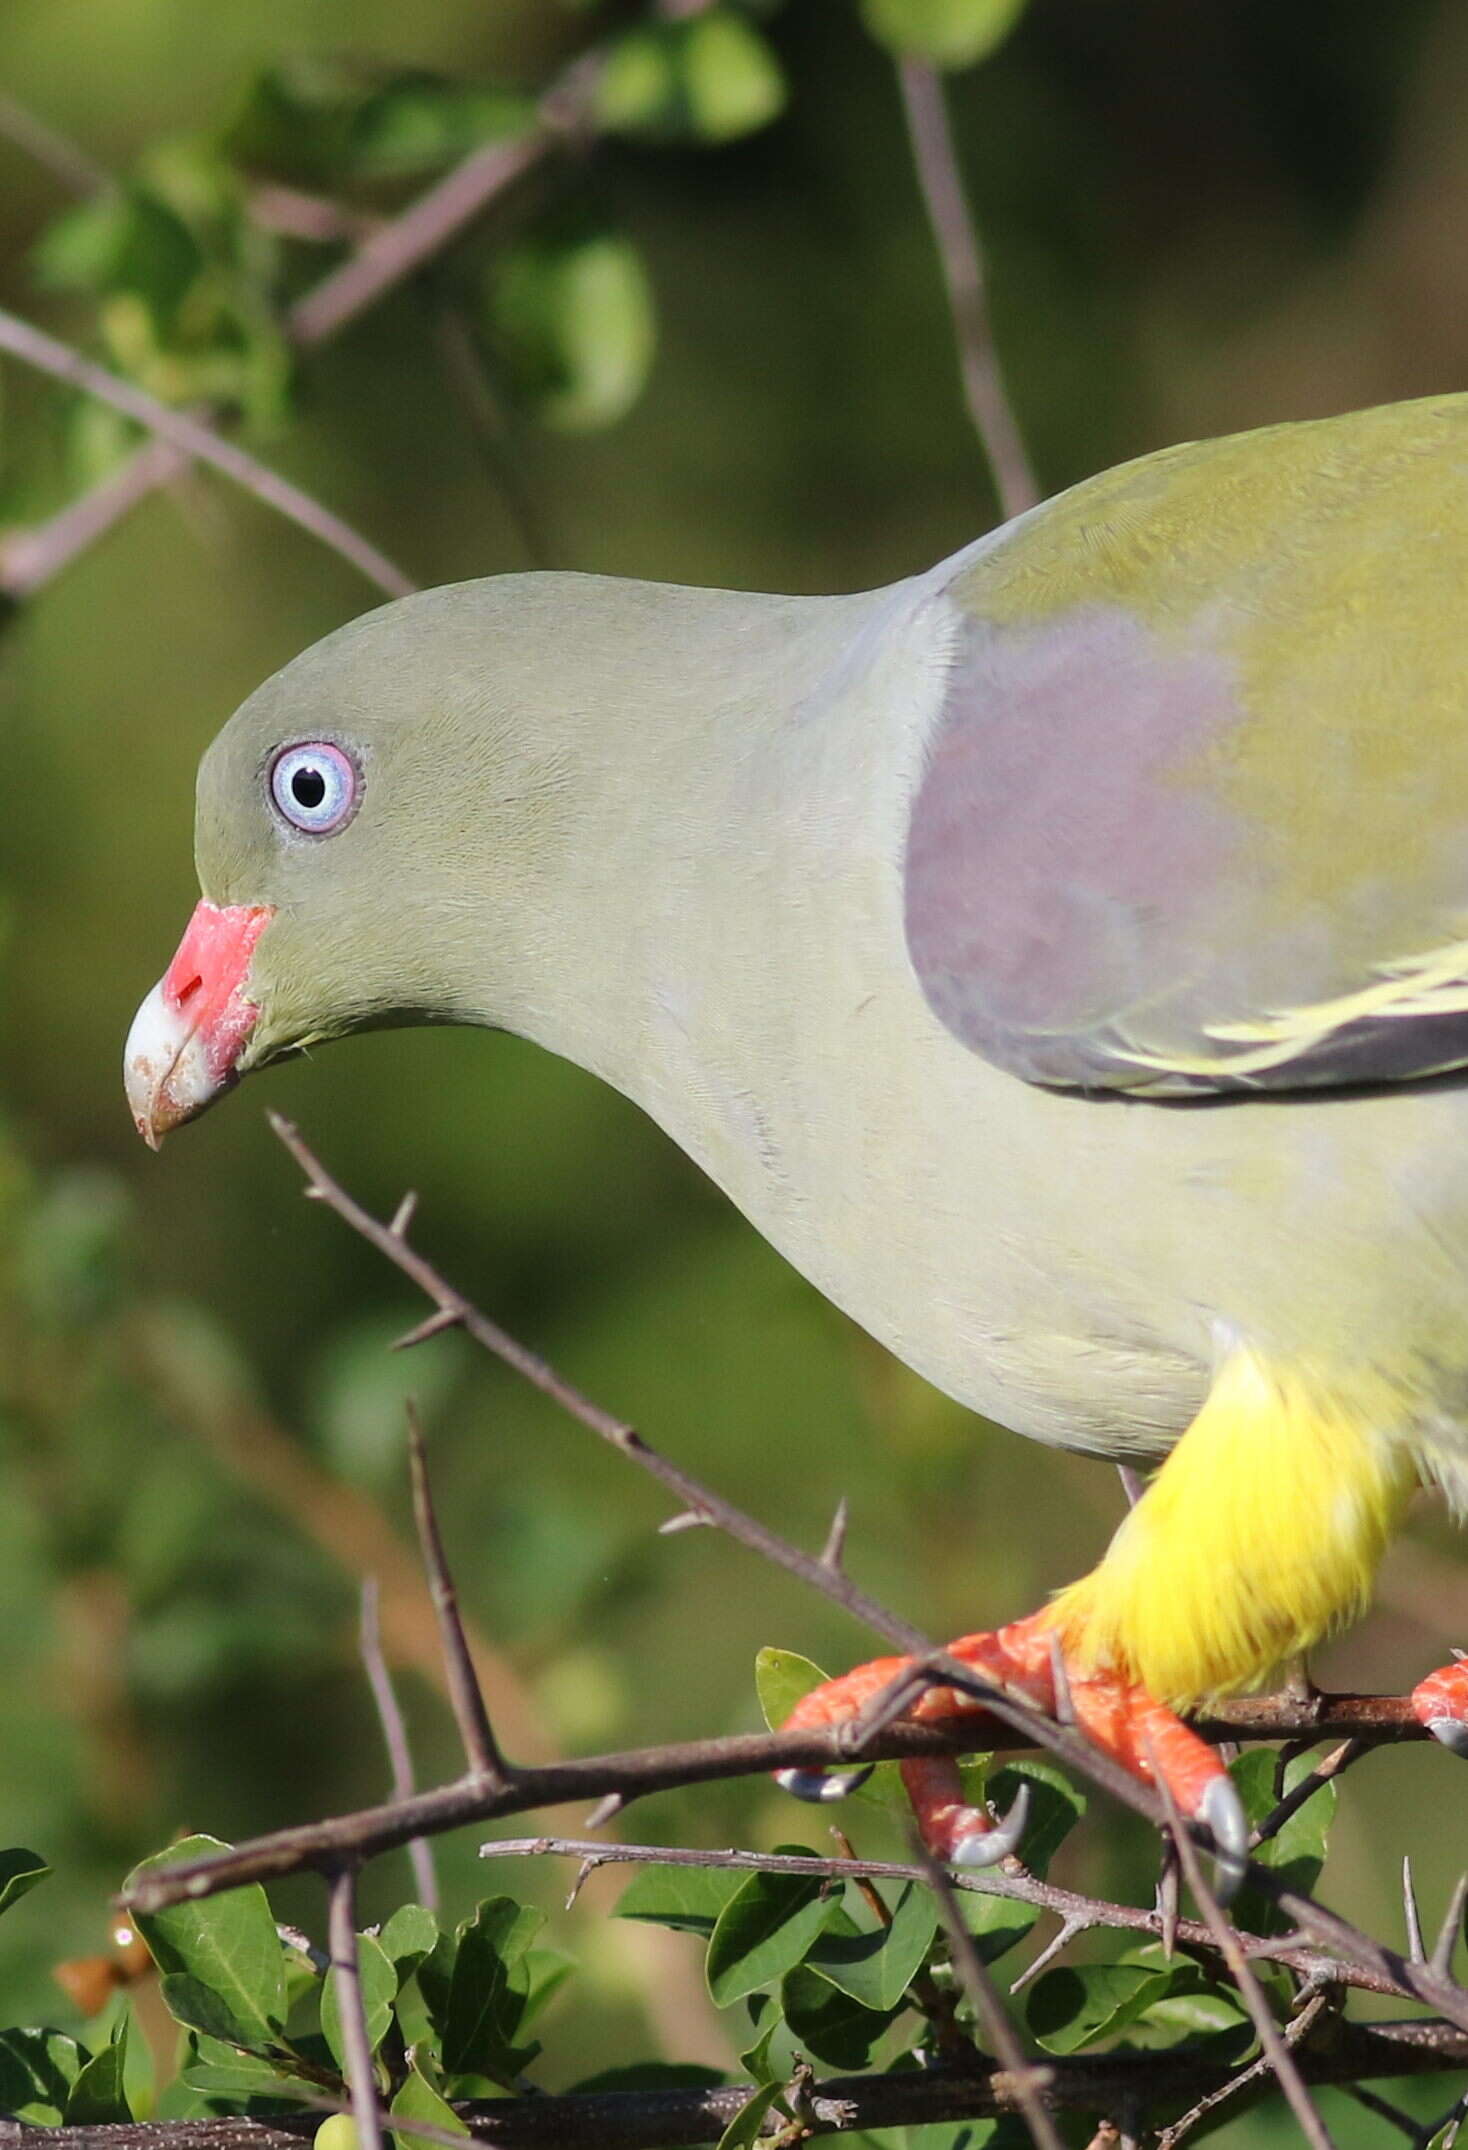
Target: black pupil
[308,789]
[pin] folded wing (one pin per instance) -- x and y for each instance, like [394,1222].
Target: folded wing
[1194,813]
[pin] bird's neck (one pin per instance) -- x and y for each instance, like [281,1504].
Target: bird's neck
[706,795]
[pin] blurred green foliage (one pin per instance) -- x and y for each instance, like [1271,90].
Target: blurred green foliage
[712,347]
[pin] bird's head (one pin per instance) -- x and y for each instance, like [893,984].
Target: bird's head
[372,825]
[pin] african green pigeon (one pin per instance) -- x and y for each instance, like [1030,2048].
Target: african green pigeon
[1061,956]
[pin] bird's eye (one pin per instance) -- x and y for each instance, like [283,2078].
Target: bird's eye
[315,787]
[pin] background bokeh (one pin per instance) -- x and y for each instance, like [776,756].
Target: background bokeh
[1197,218]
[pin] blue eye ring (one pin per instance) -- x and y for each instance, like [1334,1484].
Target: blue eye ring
[315,787]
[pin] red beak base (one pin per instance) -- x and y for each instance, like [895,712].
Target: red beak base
[189,1033]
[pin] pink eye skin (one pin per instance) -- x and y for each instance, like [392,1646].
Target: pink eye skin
[315,787]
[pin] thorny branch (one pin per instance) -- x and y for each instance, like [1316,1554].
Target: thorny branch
[1341,1957]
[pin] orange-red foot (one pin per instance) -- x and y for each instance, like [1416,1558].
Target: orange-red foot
[1441,1703]
[1118,1716]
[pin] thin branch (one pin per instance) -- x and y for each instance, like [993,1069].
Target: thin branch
[1335,1764]
[1027,2081]
[395,1738]
[1446,1943]
[33,347]
[962,263]
[357,2044]
[1265,1717]
[1076,1912]
[486,1764]
[62,158]
[663,2119]
[1250,1992]
[1225,2094]
[1413,1917]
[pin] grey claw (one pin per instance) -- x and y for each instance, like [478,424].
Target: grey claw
[1222,1811]
[819,1787]
[1452,1732]
[986,1847]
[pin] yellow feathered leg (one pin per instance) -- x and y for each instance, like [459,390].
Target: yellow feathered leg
[1260,1533]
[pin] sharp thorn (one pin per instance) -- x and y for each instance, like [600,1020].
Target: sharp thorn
[690,1519]
[1415,1951]
[402,1216]
[444,1317]
[835,1545]
[1446,1943]
[584,1873]
[605,1810]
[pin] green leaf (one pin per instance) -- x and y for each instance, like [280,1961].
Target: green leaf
[877,1966]
[1297,1852]
[572,318]
[37,2071]
[687,1898]
[714,78]
[98,2098]
[237,2075]
[123,241]
[755,2060]
[379,1979]
[763,1931]
[1068,2009]
[319,120]
[950,33]
[409,1935]
[19,1873]
[781,1679]
[489,1990]
[418,2100]
[546,1971]
[828,2022]
[744,2129]
[732,79]
[997,1923]
[226,1947]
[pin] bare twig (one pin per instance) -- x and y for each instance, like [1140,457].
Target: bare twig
[962,264]
[1076,1913]
[486,1764]
[395,1738]
[23,340]
[346,1971]
[1225,2093]
[661,2119]
[1446,1943]
[1265,1716]
[1058,1943]
[62,158]
[1250,1992]
[1412,1916]
[1028,2082]
[1334,1764]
